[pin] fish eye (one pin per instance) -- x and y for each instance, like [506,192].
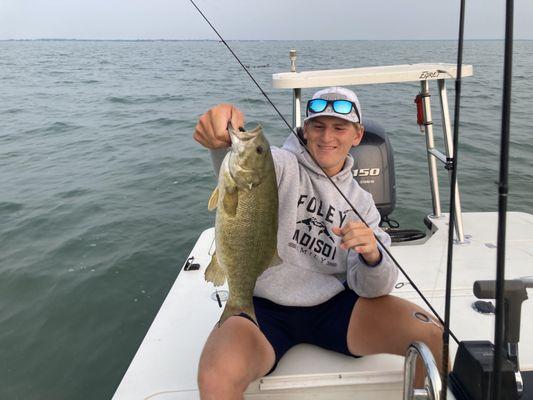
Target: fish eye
[259,149]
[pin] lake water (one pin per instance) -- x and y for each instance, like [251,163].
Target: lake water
[103,192]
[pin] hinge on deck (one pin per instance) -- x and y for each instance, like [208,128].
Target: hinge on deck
[190,266]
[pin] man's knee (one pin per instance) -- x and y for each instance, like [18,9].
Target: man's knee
[217,379]
[429,332]
[233,356]
[434,337]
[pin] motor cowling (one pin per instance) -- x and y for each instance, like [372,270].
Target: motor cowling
[374,167]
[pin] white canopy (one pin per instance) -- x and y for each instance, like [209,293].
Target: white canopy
[368,75]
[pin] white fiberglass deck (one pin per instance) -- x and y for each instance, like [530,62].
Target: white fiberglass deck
[165,365]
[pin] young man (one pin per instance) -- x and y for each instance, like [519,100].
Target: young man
[332,289]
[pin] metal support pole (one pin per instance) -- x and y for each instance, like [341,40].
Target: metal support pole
[296,108]
[296,96]
[448,145]
[430,145]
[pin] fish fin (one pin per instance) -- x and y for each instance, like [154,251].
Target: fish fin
[214,272]
[213,200]
[230,201]
[230,310]
[276,260]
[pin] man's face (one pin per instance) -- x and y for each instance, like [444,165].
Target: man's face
[329,139]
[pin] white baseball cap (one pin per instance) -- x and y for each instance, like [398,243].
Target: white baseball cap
[337,93]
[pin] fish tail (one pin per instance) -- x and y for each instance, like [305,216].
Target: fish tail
[214,272]
[231,310]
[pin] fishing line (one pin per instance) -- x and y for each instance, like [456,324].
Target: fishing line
[329,178]
[242,65]
[451,216]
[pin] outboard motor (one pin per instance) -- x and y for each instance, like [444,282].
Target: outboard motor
[374,167]
[374,171]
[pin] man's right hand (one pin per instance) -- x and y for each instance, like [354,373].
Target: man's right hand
[212,128]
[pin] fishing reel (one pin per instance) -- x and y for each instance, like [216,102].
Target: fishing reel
[471,377]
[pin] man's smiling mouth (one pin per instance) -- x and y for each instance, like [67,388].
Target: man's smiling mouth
[322,147]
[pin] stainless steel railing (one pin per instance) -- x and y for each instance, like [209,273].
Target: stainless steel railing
[432,383]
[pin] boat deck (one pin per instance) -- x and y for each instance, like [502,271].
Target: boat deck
[165,366]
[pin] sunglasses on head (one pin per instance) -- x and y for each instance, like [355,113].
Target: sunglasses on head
[339,106]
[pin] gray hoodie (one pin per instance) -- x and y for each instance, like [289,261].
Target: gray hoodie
[314,267]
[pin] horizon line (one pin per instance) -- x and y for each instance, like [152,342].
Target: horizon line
[44,39]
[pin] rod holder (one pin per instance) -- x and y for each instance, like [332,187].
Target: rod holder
[514,295]
[292,56]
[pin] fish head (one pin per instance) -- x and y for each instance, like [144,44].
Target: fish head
[250,156]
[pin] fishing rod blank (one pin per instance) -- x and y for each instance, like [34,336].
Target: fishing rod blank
[503,188]
[451,217]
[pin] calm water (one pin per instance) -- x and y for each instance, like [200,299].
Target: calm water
[103,192]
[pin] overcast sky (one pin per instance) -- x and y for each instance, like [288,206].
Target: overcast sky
[267,19]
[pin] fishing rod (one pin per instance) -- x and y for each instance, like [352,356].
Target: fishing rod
[451,217]
[503,189]
[327,176]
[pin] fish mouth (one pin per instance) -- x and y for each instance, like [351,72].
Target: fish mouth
[240,135]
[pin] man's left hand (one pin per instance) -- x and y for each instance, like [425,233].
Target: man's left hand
[360,238]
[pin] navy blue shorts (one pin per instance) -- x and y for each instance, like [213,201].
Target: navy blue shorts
[324,325]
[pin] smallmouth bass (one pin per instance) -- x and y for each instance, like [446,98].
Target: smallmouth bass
[246,225]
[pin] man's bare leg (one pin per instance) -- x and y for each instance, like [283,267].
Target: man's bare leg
[234,355]
[389,324]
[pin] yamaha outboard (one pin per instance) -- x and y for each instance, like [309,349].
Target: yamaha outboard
[374,171]
[374,167]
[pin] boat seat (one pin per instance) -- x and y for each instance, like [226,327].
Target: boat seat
[306,368]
